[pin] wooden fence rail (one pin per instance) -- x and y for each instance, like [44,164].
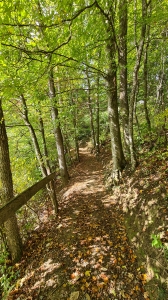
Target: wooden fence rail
[17,202]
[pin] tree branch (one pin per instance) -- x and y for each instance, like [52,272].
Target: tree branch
[40,51]
[110,19]
[80,11]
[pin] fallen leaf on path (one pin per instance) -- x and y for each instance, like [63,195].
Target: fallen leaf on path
[104,277]
[74,295]
[87,273]
[87,297]
[75,276]
[146,295]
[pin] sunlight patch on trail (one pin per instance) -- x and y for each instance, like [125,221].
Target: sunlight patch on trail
[84,187]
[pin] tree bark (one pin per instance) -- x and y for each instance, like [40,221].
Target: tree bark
[33,136]
[51,186]
[45,150]
[74,120]
[135,85]
[57,131]
[90,110]
[122,54]
[115,134]
[98,118]
[6,189]
[145,78]
[43,161]
[116,145]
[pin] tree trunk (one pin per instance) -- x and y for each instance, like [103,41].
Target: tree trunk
[33,136]
[161,99]
[122,54]
[6,189]
[97,118]
[74,120]
[136,119]
[135,85]
[45,150]
[160,89]
[51,186]
[90,110]
[57,131]
[145,78]
[116,145]
[43,163]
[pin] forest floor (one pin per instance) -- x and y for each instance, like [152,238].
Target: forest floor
[85,252]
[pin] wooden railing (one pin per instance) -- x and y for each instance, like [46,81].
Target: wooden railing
[17,202]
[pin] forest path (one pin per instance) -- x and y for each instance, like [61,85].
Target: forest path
[84,253]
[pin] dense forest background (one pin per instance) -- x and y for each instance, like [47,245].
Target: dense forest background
[97,56]
[77,71]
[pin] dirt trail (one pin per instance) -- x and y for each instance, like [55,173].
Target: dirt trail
[84,253]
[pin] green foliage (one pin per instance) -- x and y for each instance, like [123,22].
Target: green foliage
[24,165]
[84,129]
[162,292]
[44,37]
[160,118]
[156,242]
[7,274]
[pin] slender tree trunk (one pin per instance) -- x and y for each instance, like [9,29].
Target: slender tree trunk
[57,130]
[33,136]
[122,53]
[6,190]
[74,120]
[51,186]
[97,136]
[136,119]
[97,118]
[145,78]
[116,145]
[135,85]
[54,115]
[45,150]
[44,165]
[76,136]
[161,99]
[90,110]
[160,89]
